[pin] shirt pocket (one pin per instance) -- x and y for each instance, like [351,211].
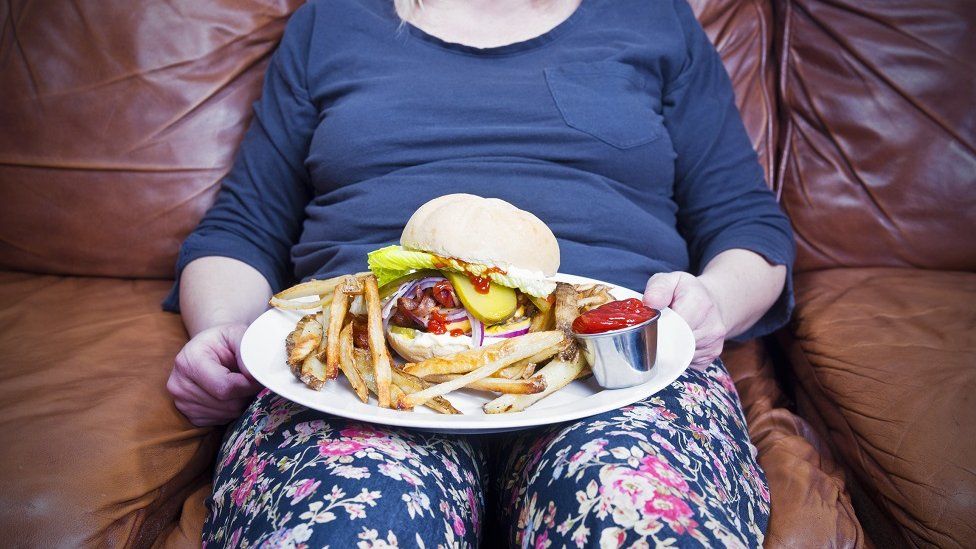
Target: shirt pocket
[606,100]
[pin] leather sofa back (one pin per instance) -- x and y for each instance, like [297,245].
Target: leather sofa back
[879,132]
[118,119]
[743,33]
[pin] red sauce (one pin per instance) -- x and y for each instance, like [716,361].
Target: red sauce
[444,294]
[360,336]
[437,324]
[457,332]
[481,283]
[613,316]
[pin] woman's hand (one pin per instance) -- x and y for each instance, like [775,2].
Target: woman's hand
[209,383]
[690,298]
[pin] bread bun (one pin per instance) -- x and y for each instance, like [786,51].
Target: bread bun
[411,352]
[486,231]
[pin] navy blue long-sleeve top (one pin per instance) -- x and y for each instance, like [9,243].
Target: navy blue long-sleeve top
[617,128]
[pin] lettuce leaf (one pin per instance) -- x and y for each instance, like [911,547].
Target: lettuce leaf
[392,262]
[536,287]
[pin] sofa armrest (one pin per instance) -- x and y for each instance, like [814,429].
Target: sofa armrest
[810,505]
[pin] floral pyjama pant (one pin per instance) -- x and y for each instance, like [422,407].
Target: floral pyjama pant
[674,469]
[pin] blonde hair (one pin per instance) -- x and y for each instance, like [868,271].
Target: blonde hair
[406,7]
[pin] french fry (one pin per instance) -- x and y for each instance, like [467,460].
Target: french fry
[557,374]
[358,305]
[302,341]
[364,368]
[323,343]
[526,367]
[347,363]
[590,296]
[313,372]
[406,383]
[566,311]
[412,384]
[315,287]
[592,302]
[458,363]
[590,288]
[361,361]
[397,394]
[300,305]
[541,303]
[466,361]
[377,341]
[498,385]
[529,370]
[337,316]
[490,359]
[514,371]
[286,299]
[566,308]
[542,321]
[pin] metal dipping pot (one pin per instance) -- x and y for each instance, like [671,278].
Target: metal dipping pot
[622,358]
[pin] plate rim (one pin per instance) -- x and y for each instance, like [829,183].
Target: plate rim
[472,423]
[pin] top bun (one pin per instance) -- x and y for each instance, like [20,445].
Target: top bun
[487,231]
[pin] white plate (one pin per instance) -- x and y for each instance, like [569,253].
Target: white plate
[263,352]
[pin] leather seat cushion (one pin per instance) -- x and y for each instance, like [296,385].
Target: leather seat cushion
[888,358]
[94,451]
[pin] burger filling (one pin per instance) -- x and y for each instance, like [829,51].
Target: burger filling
[393,262]
[428,297]
[431,306]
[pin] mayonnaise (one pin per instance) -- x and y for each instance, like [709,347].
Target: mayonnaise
[427,339]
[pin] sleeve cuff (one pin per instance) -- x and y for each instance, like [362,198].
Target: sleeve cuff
[223,247]
[775,252]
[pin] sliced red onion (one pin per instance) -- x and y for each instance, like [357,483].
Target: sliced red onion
[429,282]
[432,281]
[513,333]
[477,331]
[418,286]
[392,300]
[454,315]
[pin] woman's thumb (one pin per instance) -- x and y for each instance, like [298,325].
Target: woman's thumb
[660,290]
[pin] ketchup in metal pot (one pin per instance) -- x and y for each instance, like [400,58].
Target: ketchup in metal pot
[613,316]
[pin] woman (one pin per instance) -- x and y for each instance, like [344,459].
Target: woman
[612,121]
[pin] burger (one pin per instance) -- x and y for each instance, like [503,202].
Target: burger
[468,270]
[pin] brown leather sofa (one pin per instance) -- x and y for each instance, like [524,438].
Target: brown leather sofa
[119,117]
[878,174]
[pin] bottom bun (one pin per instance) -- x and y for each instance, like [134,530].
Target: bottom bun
[412,352]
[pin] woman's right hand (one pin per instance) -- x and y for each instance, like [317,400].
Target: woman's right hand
[209,384]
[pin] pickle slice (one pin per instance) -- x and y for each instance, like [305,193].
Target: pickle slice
[492,307]
[408,333]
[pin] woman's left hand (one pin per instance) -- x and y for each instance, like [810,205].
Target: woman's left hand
[686,295]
